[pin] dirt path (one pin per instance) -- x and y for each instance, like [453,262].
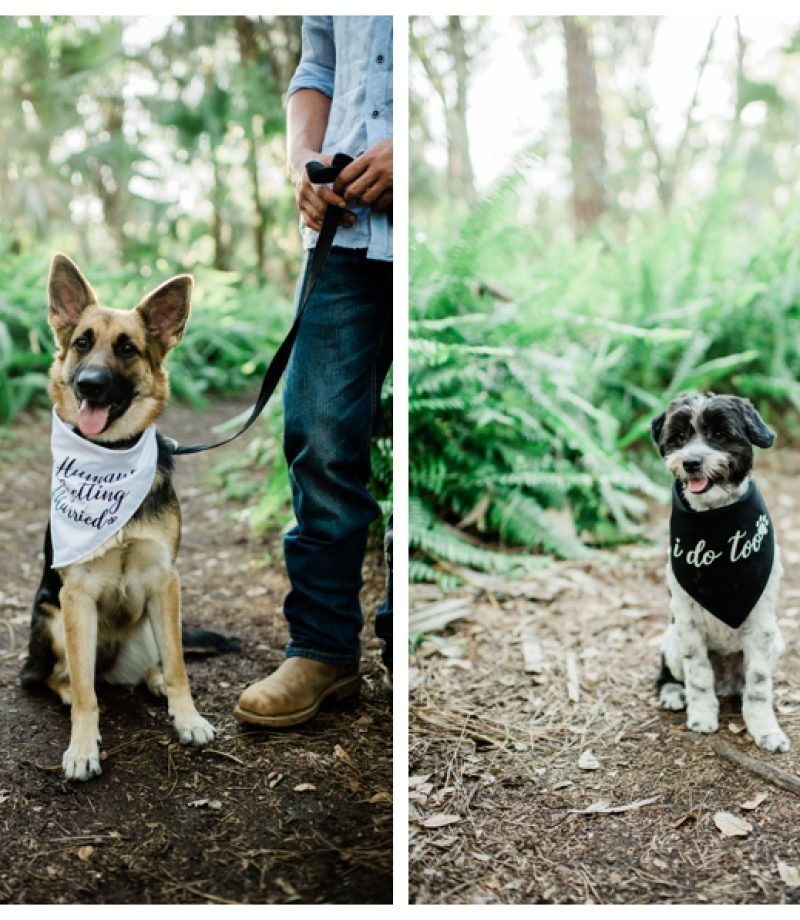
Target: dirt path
[296,816]
[496,782]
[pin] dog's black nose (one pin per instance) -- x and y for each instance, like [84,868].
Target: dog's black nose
[93,382]
[692,464]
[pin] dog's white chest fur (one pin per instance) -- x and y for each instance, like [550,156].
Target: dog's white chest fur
[121,577]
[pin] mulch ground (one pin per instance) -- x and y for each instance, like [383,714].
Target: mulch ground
[514,774]
[300,815]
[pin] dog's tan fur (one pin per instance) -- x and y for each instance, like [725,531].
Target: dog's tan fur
[128,595]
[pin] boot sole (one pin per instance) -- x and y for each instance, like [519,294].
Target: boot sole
[340,690]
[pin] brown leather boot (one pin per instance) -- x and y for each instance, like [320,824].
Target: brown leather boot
[294,693]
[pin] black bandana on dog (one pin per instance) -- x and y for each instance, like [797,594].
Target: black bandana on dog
[723,557]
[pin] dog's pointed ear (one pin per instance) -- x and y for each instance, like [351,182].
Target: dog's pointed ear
[68,294]
[755,427]
[656,427]
[166,310]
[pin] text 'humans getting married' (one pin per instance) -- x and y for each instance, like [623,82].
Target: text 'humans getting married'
[92,489]
[95,490]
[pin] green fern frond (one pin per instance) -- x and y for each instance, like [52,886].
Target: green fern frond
[439,541]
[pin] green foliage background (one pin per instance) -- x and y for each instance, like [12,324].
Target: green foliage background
[537,364]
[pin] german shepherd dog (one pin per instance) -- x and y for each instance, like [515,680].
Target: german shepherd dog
[116,615]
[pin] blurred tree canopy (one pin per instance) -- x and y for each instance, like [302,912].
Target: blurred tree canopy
[129,140]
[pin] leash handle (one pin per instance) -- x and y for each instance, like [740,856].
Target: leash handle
[318,173]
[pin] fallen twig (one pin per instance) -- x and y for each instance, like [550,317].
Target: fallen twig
[224,754]
[766,771]
[606,808]
[434,617]
[115,835]
[471,727]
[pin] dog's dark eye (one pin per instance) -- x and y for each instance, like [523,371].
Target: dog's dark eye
[126,349]
[680,436]
[82,344]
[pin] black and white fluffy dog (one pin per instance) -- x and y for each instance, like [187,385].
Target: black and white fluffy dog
[724,569]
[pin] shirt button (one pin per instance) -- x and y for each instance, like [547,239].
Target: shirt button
[380,59]
[375,113]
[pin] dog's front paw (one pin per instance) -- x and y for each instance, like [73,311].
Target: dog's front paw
[775,742]
[673,696]
[196,730]
[81,764]
[156,683]
[705,723]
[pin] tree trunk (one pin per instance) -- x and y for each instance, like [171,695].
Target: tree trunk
[221,232]
[113,193]
[246,38]
[260,229]
[587,143]
[113,212]
[249,57]
[459,164]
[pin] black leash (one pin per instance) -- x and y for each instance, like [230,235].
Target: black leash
[318,173]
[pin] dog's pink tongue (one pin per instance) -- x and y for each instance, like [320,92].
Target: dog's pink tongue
[91,419]
[697,485]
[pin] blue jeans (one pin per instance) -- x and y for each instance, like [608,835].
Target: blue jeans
[331,410]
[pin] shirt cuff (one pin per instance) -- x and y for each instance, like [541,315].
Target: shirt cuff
[312,76]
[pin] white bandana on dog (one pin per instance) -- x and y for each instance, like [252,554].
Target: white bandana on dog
[95,491]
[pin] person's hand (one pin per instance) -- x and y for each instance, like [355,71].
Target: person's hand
[313,200]
[369,179]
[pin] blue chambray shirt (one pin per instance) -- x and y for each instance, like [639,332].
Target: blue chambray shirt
[349,59]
